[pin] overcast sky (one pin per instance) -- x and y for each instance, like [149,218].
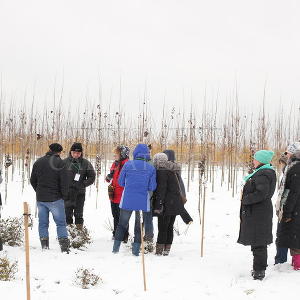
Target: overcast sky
[175,48]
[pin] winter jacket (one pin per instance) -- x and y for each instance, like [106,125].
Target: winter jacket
[137,177]
[167,193]
[256,212]
[87,176]
[48,178]
[115,170]
[289,233]
[172,158]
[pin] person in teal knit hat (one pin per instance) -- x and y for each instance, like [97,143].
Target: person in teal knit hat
[256,212]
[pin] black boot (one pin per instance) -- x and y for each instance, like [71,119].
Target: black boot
[1,245]
[167,249]
[159,249]
[64,245]
[44,243]
[79,226]
[258,275]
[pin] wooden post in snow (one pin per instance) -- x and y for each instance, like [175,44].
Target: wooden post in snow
[143,250]
[26,225]
[203,221]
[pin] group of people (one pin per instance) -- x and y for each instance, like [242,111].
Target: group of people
[153,187]
[256,213]
[60,187]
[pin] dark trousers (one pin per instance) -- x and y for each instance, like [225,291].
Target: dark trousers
[260,258]
[281,253]
[115,210]
[123,225]
[75,209]
[165,229]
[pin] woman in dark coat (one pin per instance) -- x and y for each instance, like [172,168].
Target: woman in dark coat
[167,203]
[185,216]
[288,234]
[256,212]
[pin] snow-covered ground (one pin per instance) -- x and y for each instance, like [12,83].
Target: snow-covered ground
[223,272]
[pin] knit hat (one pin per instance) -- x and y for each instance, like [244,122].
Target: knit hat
[55,147]
[293,148]
[76,147]
[123,151]
[264,156]
[160,160]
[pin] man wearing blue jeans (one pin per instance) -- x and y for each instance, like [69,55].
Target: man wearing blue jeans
[48,179]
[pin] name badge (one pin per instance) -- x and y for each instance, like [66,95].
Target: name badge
[77,177]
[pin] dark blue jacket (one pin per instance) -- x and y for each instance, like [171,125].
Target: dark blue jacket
[138,178]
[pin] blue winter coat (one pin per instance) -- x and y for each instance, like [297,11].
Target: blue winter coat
[138,178]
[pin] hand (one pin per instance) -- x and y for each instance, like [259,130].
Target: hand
[286,220]
[159,210]
[108,178]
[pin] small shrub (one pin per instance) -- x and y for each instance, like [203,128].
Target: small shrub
[8,269]
[79,238]
[11,231]
[86,278]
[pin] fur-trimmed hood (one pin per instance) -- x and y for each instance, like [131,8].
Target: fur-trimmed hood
[160,162]
[294,157]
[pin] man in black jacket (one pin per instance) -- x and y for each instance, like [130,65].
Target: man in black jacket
[49,182]
[80,174]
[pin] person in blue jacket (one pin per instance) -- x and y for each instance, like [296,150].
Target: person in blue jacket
[138,178]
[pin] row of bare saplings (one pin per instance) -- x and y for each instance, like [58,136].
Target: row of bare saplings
[226,140]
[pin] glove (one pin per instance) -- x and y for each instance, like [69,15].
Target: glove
[108,178]
[158,210]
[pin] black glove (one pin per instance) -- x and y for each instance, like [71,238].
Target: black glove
[108,178]
[158,209]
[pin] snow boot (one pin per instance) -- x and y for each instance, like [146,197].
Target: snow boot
[136,249]
[64,245]
[149,245]
[44,243]
[159,249]
[167,249]
[258,275]
[116,246]
[79,226]
[296,262]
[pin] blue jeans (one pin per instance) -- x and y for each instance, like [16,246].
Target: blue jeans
[281,253]
[148,223]
[123,225]
[57,208]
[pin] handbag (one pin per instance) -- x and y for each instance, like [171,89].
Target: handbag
[182,196]
[111,192]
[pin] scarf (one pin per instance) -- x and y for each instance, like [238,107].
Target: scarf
[267,166]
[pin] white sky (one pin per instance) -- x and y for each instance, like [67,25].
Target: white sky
[177,47]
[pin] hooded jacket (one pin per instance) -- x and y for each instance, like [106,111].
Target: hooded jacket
[289,232]
[167,193]
[138,178]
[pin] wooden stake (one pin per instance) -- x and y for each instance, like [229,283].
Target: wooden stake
[143,250]
[203,221]
[26,224]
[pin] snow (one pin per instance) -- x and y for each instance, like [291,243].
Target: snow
[223,272]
